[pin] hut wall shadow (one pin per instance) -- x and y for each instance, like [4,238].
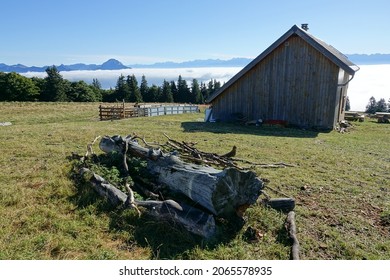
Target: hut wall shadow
[264,130]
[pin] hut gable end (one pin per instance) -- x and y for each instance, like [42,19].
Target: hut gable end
[295,80]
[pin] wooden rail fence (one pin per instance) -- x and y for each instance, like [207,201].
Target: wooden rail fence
[113,112]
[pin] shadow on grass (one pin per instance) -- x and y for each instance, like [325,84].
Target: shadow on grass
[282,237]
[224,128]
[165,239]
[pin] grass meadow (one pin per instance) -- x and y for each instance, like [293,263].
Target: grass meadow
[341,184]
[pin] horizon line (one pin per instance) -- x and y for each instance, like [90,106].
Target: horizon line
[171,61]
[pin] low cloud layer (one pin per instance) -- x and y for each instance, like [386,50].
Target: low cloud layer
[108,78]
[370,80]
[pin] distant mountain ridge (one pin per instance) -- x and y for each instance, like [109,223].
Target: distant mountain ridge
[363,59]
[234,62]
[358,59]
[113,64]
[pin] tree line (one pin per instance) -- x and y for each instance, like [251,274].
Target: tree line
[374,106]
[53,88]
[15,87]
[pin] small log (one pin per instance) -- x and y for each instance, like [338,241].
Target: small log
[284,204]
[292,231]
[192,219]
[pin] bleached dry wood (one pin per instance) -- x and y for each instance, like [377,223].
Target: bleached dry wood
[189,152]
[220,192]
[192,154]
[284,204]
[115,196]
[192,219]
[89,147]
[118,144]
[130,201]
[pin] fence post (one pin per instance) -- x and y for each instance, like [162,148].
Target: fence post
[123,110]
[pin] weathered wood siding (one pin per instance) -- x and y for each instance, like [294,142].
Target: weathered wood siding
[294,83]
[343,82]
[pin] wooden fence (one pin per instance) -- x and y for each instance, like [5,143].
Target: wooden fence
[113,112]
[383,117]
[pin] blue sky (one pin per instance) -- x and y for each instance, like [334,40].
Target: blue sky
[45,32]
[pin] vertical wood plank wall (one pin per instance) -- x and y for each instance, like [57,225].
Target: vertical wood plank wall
[294,83]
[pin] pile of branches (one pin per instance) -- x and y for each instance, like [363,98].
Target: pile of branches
[189,152]
[191,193]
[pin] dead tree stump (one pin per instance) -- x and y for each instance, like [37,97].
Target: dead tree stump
[223,193]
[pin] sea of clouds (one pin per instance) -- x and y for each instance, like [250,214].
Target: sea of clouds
[108,78]
[370,80]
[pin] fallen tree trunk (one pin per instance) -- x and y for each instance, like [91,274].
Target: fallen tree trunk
[223,193]
[192,219]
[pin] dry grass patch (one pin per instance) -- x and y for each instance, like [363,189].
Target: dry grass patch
[340,184]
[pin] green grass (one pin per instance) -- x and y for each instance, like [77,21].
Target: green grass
[340,183]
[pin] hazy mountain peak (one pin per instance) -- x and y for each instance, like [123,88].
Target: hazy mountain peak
[112,64]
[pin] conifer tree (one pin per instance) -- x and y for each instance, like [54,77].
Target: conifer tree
[210,88]
[166,93]
[371,106]
[144,88]
[347,104]
[97,89]
[96,84]
[204,91]
[196,95]
[381,105]
[134,91]
[217,85]
[388,106]
[175,92]
[154,93]
[183,90]
[121,89]
[54,88]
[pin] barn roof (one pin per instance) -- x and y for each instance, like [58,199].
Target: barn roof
[327,50]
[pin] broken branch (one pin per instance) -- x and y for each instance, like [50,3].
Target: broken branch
[89,147]
[291,229]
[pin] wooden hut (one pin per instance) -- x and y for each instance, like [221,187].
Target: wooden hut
[299,80]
